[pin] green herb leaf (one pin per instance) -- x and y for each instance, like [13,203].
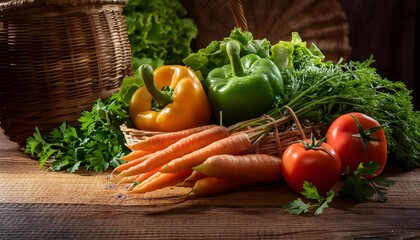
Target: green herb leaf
[297,207]
[74,167]
[35,143]
[129,85]
[95,145]
[324,202]
[310,192]
[357,187]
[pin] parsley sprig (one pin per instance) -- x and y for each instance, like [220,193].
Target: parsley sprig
[355,186]
[359,188]
[298,206]
[96,144]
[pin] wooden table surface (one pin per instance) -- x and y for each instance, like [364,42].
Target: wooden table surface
[39,204]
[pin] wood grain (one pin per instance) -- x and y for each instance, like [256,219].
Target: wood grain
[39,204]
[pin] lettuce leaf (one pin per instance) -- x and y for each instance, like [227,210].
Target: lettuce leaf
[214,55]
[159,32]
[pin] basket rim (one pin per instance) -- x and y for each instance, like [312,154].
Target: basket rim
[10,5]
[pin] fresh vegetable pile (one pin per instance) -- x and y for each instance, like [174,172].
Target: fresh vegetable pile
[256,91]
[197,156]
[321,91]
[159,33]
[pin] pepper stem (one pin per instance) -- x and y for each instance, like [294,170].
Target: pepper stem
[162,98]
[233,49]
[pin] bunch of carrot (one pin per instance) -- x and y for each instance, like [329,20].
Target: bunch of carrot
[209,159]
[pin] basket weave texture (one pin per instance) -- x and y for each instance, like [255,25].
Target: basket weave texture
[274,143]
[57,58]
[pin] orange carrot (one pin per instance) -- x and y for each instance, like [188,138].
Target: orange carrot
[130,164]
[142,177]
[160,180]
[211,186]
[195,176]
[129,179]
[145,182]
[192,179]
[164,140]
[134,155]
[237,143]
[178,149]
[253,168]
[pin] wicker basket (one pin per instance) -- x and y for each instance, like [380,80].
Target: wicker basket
[275,143]
[322,22]
[57,58]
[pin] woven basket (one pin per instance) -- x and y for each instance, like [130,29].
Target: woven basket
[57,58]
[322,22]
[275,143]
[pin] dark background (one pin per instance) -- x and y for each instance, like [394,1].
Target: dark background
[390,31]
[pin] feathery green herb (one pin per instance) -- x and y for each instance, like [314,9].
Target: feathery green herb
[321,91]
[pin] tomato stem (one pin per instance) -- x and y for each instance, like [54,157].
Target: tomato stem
[314,144]
[366,134]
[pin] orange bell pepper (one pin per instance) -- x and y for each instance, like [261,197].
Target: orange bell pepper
[171,99]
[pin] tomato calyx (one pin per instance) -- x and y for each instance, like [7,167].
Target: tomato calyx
[313,144]
[366,134]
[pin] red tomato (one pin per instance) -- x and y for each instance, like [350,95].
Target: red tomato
[321,166]
[342,136]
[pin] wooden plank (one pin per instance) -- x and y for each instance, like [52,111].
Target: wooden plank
[57,221]
[37,203]
[22,181]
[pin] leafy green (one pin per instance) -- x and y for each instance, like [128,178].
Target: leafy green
[96,144]
[159,31]
[298,206]
[214,55]
[357,187]
[295,54]
[129,85]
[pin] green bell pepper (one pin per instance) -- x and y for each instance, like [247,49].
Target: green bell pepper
[245,88]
